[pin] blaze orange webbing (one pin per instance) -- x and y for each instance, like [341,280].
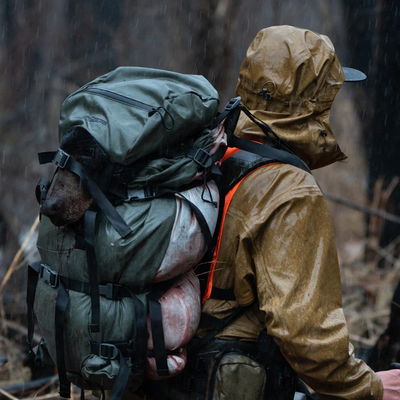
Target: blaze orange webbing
[228,198]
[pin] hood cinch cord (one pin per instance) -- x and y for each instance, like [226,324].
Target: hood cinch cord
[268,131]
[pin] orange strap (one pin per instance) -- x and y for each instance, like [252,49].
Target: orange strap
[228,198]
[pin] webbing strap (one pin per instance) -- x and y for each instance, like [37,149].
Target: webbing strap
[111,291]
[200,219]
[268,151]
[109,350]
[218,326]
[101,200]
[41,189]
[231,105]
[115,350]
[160,352]
[121,379]
[63,160]
[139,336]
[90,231]
[30,300]
[60,315]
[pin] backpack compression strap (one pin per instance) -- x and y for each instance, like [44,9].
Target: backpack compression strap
[134,348]
[65,161]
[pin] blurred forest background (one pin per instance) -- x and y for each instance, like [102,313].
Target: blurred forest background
[49,48]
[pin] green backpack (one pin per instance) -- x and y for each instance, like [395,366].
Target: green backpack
[92,294]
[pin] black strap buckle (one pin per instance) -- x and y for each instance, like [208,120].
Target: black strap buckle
[141,194]
[108,351]
[111,291]
[50,277]
[202,158]
[61,158]
[233,103]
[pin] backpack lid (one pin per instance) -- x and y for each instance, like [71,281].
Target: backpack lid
[133,112]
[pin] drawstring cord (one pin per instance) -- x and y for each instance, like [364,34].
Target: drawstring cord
[157,110]
[205,185]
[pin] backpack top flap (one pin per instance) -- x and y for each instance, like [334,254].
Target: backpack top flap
[133,112]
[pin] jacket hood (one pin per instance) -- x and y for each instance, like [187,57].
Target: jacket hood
[289,79]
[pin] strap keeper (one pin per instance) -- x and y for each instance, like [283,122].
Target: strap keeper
[233,103]
[200,157]
[106,351]
[50,277]
[94,328]
[61,158]
[142,194]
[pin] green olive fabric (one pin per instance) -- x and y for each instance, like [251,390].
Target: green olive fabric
[122,261]
[146,119]
[114,109]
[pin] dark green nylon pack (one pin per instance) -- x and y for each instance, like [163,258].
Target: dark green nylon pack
[146,120]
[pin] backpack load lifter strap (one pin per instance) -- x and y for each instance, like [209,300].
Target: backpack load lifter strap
[231,115]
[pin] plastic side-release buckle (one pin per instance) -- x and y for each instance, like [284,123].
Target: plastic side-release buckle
[61,158]
[141,194]
[50,277]
[233,103]
[111,291]
[108,351]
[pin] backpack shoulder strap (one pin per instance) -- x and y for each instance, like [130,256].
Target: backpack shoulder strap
[267,151]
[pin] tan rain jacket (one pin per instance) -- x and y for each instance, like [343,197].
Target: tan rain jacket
[277,250]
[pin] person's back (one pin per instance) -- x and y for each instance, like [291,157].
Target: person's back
[277,253]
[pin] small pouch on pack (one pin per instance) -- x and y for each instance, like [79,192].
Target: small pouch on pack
[236,376]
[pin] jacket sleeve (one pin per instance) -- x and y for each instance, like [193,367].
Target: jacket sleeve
[299,289]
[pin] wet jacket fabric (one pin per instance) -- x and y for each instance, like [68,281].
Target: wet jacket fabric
[277,250]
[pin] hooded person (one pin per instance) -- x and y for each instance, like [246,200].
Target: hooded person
[276,251]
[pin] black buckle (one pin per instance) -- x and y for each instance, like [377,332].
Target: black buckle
[141,194]
[108,351]
[111,291]
[61,158]
[202,158]
[233,103]
[50,277]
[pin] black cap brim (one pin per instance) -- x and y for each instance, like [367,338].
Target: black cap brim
[353,75]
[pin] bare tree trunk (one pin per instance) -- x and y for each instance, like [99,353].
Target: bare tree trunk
[215,39]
